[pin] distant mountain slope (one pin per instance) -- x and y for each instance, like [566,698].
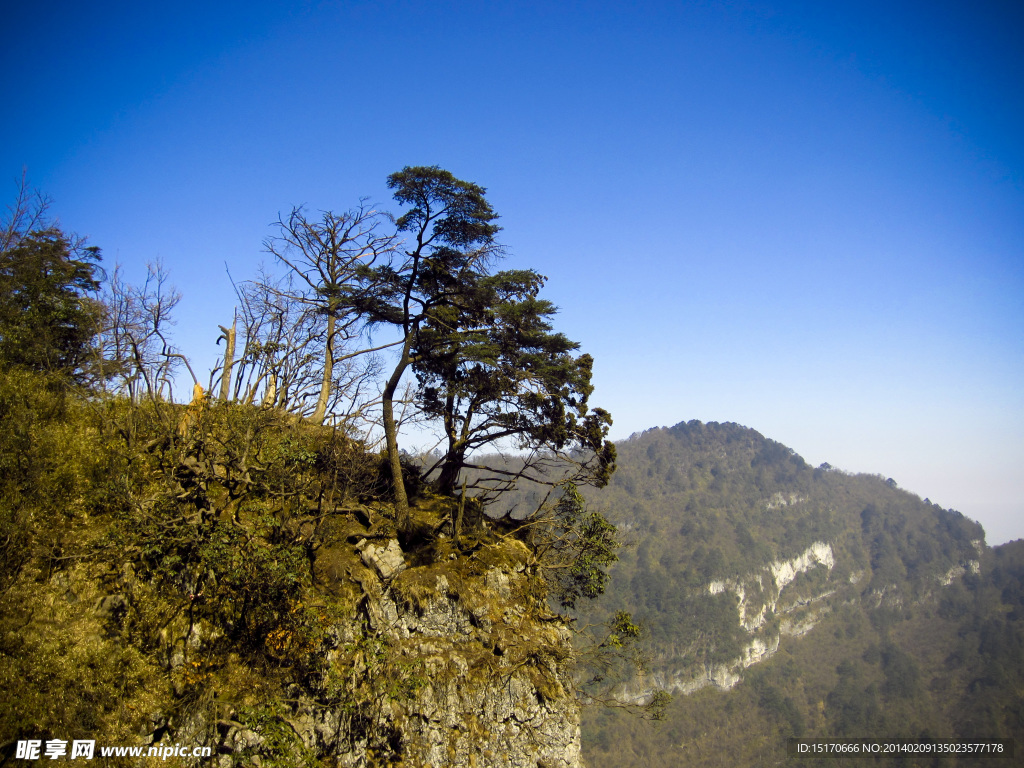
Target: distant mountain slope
[830,604]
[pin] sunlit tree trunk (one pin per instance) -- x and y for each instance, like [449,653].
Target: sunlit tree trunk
[391,436]
[229,359]
[325,385]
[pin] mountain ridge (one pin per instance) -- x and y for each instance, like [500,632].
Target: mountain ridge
[793,600]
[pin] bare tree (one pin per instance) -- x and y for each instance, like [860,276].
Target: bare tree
[324,257]
[136,345]
[275,351]
[25,214]
[281,344]
[230,337]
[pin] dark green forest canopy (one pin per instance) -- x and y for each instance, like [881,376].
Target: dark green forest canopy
[717,501]
[910,621]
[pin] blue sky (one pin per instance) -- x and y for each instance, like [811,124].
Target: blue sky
[807,218]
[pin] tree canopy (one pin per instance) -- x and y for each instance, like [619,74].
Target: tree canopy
[496,371]
[489,366]
[260,518]
[490,374]
[48,316]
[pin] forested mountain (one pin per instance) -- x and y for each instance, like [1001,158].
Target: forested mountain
[782,600]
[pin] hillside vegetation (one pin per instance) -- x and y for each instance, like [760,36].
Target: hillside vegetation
[226,576]
[261,571]
[905,626]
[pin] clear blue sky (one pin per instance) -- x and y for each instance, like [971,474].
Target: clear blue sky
[807,218]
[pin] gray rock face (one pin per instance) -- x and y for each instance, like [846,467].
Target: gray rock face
[480,672]
[455,663]
[387,561]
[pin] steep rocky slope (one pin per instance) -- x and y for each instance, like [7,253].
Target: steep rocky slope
[451,660]
[448,662]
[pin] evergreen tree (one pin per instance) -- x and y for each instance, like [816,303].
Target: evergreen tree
[450,222]
[47,316]
[488,364]
[495,371]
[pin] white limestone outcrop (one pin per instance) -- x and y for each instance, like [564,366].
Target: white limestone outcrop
[779,575]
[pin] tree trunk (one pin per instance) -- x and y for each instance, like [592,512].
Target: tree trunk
[325,385]
[453,457]
[449,476]
[457,523]
[229,359]
[391,436]
[270,394]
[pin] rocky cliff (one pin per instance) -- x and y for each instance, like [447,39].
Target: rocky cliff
[433,659]
[242,586]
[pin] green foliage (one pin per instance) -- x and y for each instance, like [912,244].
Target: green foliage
[65,676]
[611,654]
[491,369]
[198,565]
[709,502]
[280,746]
[52,472]
[892,654]
[444,209]
[382,675]
[622,626]
[226,517]
[452,239]
[48,317]
[72,678]
[383,486]
[163,559]
[491,372]
[778,706]
[576,545]
[902,676]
